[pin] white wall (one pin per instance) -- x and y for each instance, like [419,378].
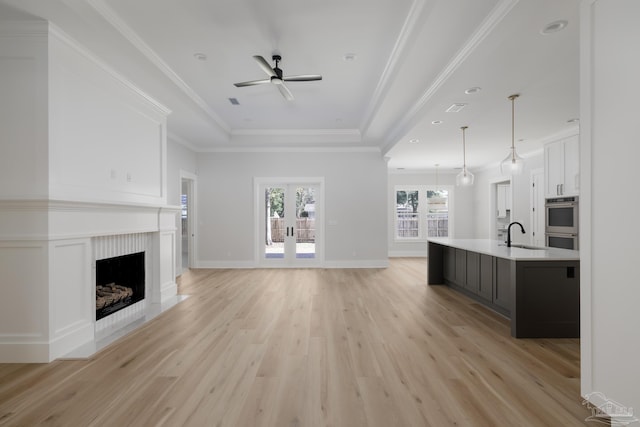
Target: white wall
[484,210]
[107,141]
[179,159]
[610,287]
[356,202]
[24,166]
[460,221]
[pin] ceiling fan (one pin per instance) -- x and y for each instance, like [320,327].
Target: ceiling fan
[276,77]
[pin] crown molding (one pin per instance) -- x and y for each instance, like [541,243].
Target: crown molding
[301,132]
[79,48]
[291,150]
[496,16]
[181,141]
[24,28]
[407,32]
[130,35]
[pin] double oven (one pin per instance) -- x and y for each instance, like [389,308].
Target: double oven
[561,230]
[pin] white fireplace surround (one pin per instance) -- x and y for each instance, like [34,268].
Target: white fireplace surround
[48,251]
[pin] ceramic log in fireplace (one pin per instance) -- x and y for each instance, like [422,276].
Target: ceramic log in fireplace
[120,282]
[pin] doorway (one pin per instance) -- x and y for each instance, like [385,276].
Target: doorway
[289,223]
[187,221]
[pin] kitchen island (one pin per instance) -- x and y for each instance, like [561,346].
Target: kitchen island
[538,289]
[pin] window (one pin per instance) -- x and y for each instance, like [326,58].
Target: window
[421,211]
[407,215]
[437,213]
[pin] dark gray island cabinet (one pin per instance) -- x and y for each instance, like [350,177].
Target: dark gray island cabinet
[538,289]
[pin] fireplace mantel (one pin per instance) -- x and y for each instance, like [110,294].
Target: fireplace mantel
[47,269]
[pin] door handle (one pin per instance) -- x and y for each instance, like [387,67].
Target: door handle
[287,231]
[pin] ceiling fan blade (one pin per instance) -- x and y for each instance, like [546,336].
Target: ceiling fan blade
[302,78]
[264,65]
[252,83]
[285,92]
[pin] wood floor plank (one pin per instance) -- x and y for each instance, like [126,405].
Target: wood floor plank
[309,347]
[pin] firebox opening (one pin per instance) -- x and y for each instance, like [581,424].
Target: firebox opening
[120,282]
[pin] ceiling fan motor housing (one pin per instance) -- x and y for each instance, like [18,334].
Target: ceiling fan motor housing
[276,69]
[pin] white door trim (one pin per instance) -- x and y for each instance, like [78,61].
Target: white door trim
[192,211]
[320,222]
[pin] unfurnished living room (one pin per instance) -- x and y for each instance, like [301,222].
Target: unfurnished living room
[343,213]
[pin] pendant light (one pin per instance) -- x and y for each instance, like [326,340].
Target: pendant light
[464,178]
[512,164]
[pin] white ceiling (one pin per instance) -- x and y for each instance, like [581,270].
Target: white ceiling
[413,59]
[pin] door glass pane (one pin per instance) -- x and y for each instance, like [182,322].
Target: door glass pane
[274,222]
[437,213]
[407,220]
[305,227]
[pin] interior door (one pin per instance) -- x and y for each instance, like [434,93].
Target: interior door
[288,220]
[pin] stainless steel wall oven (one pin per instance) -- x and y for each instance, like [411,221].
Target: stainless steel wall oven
[561,228]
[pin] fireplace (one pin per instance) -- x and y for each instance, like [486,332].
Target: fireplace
[120,282]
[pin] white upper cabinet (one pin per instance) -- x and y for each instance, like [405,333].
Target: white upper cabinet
[562,167]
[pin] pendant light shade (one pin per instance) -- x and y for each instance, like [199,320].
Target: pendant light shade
[464,178]
[512,164]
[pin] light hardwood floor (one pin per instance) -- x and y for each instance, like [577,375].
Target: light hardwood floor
[370,347]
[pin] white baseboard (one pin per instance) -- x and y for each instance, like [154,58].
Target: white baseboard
[34,352]
[225,264]
[381,263]
[408,254]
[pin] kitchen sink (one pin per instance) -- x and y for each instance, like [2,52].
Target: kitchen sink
[517,245]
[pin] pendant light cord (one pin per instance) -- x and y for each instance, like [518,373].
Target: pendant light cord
[464,150]
[513,133]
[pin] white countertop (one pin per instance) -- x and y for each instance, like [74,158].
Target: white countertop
[499,249]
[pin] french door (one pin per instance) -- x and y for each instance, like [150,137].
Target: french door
[289,219]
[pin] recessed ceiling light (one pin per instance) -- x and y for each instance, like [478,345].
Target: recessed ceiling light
[234,101]
[554,27]
[574,120]
[455,108]
[436,122]
[349,57]
[473,90]
[414,141]
[200,56]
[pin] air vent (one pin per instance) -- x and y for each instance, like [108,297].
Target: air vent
[455,108]
[234,101]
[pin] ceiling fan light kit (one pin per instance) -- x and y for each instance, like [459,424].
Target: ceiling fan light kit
[512,164]
[277,78]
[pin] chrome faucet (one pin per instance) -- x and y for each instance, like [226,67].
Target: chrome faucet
[508,242]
